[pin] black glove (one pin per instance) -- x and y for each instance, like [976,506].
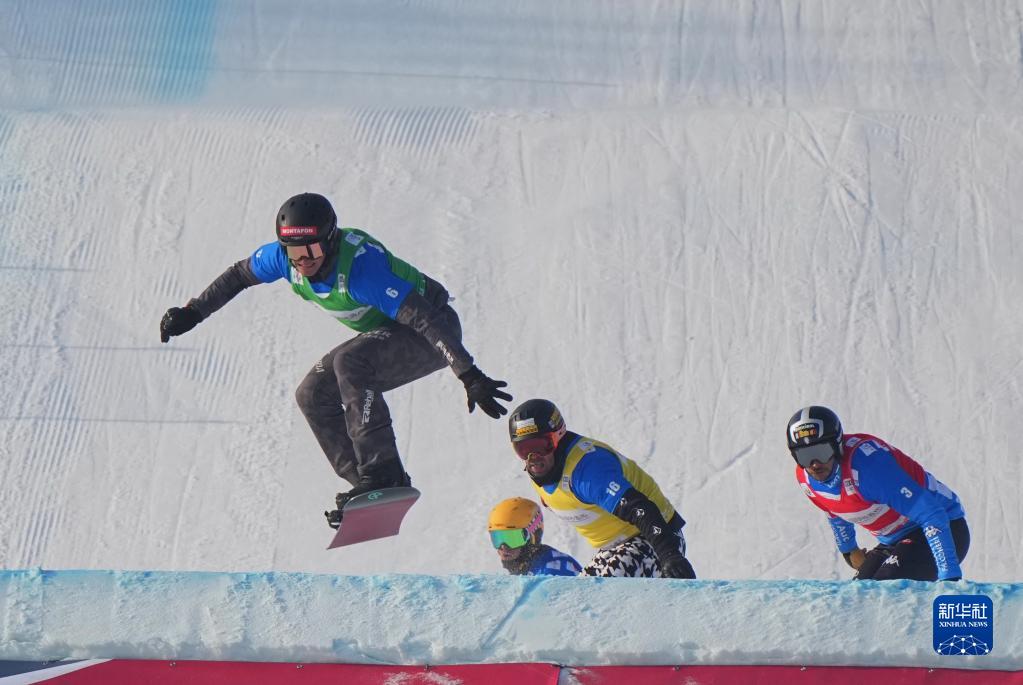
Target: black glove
[638,510]
[676,566]
[178,320]
[872,562]
[855,558]
[484,392]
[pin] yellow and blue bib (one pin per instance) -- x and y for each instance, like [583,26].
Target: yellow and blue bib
[592,483]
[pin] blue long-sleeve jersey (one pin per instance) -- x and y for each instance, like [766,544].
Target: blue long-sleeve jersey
[598,479]
[880,488]
[370,281]
[551,562]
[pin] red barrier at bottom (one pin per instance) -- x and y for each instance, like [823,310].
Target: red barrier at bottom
[126,671]
[789,675]
[132,672]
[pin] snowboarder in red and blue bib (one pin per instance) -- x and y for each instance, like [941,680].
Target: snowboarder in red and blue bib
[857,478]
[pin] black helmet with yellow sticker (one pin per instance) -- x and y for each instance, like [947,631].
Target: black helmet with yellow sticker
[535,419]
[536,429]
[814,434]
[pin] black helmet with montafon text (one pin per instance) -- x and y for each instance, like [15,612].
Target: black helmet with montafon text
[306,221]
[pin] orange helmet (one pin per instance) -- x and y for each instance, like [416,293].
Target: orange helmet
[516,522]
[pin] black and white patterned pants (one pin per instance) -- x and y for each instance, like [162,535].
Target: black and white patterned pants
[632,558]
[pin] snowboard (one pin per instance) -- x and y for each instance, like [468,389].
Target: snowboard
[373,515]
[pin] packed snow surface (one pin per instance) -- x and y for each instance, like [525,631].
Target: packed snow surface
[418,619]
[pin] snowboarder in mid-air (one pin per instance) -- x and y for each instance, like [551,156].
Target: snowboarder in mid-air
[406,330]
[516,531]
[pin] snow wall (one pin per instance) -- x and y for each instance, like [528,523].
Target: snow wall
[420,619]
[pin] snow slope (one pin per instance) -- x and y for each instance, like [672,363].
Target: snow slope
[680,221]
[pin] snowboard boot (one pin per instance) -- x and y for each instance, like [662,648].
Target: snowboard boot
[390,474]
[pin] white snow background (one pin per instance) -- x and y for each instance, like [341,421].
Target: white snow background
[679,221]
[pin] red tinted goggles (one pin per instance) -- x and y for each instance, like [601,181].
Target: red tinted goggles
[542,445]
[301,253]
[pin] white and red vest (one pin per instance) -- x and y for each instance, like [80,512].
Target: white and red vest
[880,519]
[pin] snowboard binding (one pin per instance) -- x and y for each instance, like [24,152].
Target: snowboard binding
[390,475]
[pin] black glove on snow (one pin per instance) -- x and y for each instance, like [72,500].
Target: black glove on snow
[675,566]
[484,392]
[855,558]
[872,563]
[178,320]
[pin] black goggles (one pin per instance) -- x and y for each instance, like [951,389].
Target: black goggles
[806,455]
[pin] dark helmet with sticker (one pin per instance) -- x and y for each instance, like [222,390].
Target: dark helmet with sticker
[534,418]
[814,434]
[306,219]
